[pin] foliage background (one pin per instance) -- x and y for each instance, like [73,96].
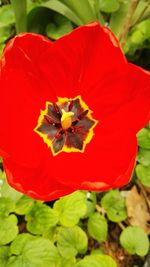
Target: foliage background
[83,229]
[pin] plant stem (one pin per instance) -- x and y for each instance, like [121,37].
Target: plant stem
[20,10]
[142,12]
[127,23]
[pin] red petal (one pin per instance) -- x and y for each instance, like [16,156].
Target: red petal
[37,183]
[23,94]
[106,159]
[135,114]
[87,62]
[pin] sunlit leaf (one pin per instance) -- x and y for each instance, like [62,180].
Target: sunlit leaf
[143,174]
[134,240]
[71,208]
[8,229]
[71,241]
[97,227]
[114,204]
[41,218]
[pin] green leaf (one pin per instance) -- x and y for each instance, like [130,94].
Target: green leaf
[4,35]
[141,32]
[37,252]
[118,18]
[97,261]
[97,251]
[6,15]
[4,256]
[114,204]
[63,9]
[20,11]
[68,262]
[97,227]
[8,229]
[6,206]
[71,241]
[143,156]
[8,192]
[143,174]
[41,218]
[134,240]
[78,6]
[137,14]
[96,10]
[51,234]
[109,6]
[91,203]
[144,138]
[62,27]
[38,19]
[71,208]
[24,205]
[17,246]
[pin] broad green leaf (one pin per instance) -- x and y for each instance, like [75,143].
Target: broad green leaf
[97,261]
[63,9]
[97,251]
[71,241]
[68,262]
[51,234]
[141,32]
[31,5]
[17,246]
[134,240]
[109,6]
[143,174]
[144,138]
[24,205]
[1,160]
[78,7]
[6,206]
[8,192]
[114,204]
[41,218]
[8,229]
[6,15]
[4,34]
[98,227]
[143,156]
[38,19]
[91,203]
[37,252]
[60,28]
[71,208]
[4,256]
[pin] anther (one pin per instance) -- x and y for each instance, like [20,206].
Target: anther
[56,109]
[83,114]
[70,105]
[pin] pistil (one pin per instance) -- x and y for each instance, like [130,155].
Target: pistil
[66,119]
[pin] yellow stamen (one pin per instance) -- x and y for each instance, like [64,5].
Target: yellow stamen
[66,119]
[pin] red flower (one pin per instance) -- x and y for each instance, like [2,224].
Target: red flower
[70,111]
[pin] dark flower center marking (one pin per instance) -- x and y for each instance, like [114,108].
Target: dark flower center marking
[66,125]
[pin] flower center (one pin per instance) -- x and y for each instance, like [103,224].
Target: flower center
[66,126]
[66,119]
